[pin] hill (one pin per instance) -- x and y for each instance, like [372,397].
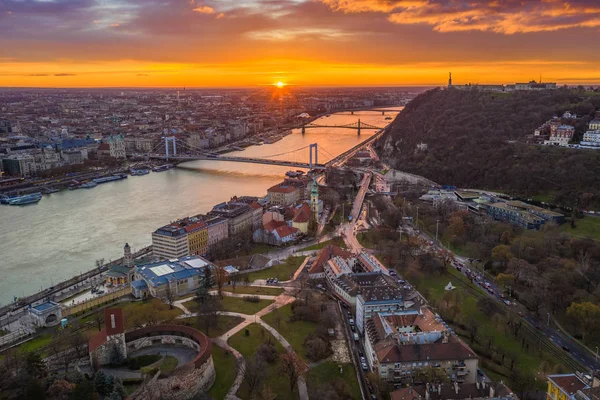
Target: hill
[477,139]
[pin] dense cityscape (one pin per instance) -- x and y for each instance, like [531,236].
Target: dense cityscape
[299,199]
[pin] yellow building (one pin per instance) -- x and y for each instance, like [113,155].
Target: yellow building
[564,386]
[197,238]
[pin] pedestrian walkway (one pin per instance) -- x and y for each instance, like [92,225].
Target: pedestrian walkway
[239,378]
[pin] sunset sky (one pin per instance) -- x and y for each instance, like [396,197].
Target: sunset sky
[173,43]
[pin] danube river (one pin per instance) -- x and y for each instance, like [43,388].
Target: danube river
[66,232]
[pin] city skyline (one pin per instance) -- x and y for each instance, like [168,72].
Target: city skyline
[193,43]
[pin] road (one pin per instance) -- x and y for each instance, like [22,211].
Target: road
[348,230]
[564,347]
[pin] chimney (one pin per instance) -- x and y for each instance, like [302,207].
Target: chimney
[456,387]
[439,388]
[427,392]
[483,384]
[477,384]
[492,391]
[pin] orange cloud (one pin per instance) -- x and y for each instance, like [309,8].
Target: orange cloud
[508,17]
[204,10]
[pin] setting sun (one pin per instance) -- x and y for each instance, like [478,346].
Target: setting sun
[280,84]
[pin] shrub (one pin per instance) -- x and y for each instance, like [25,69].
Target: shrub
[252,299]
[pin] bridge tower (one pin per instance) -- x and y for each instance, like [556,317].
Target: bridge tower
[313,146]
[359,127]
[172,140]
[304,129]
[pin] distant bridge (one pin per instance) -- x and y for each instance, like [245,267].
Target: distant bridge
[355,125]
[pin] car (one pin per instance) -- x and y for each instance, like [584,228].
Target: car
[364,367]
[521,314]
[491,290]
[507,302]
[363,360]
[275,280]
[360,353]
[565,348]
[351,321]
[502,295]
[401,281]
[353,328]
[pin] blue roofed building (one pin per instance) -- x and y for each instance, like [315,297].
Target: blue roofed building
[179,277]
[46,314]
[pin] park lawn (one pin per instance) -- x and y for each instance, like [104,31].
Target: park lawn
[586,227]
[36,343]
[224,324]
[254,290]
[283,271]
[433,288]
[247,346]
[132,311]
[329,371]
[338,241]
[226,370]
[365,239]
[233,304]
[168,364]
[262,249]
[294,332]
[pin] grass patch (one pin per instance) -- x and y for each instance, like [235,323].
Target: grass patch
[226,370]
[233,304]
[140,313]
[168,365]
[294,332]
[328,372]
[283,271]
[135,363]
[254,290]
[432,287]
[36,343]
[585,227]
[366,239]
[262,249]
[247,346]
[338,241]
[224,324]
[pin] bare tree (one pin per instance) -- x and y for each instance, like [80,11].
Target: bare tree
[100,263]
[254,371]
[221,279]
[292,367]
[208,316]
[98,319]
[170,294]
[583,265]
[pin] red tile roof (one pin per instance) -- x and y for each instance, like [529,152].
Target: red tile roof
[255,206]
[281,188]
[97,340]
[388,351]
[325,255]
[302,214]
[569,384]
[285,230]
[272,225]
[195,226]
[114,321]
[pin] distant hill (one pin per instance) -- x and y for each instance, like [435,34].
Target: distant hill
[476,139]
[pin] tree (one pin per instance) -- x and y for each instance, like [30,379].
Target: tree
[170,294]
[208,277]
[98,319]
[292,367]
[208,316]
[100,382]
[316,348]
[502,254]
[472,328]
[221,279]
[61,389]
[254,371]
[267,351]
[586,315]
[100,263]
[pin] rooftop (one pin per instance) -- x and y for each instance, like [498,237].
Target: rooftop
[568,383]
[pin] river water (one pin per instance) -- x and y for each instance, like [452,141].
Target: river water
[66,232]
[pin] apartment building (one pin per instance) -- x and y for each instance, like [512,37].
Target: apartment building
[170,241]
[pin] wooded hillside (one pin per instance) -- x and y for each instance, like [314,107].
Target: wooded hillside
[476,139]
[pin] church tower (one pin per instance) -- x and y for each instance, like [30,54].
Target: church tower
[450,79]
[127,258]
[314,200]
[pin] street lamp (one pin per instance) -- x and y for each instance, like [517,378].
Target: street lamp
[596,353]
[437,225]
[548,319]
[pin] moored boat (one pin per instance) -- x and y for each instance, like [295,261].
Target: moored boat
[25,199]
